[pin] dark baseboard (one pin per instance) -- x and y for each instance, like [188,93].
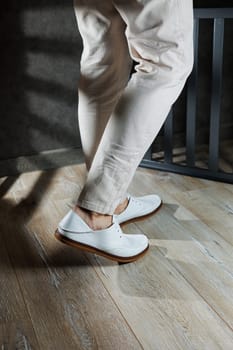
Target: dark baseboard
[44,160]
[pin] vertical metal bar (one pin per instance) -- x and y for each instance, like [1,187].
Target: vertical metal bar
[215,104]
[218,39]
[192,102]
[148,154]
[168,137]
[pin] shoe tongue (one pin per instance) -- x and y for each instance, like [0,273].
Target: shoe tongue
[114,219]
[115,222]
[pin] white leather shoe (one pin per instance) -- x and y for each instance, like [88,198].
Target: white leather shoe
[111,242]
[139,208]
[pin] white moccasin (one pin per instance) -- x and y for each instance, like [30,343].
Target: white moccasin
[138,208]
[111,242]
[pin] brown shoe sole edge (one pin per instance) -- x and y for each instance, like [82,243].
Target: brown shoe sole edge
[141,218]
[97,251]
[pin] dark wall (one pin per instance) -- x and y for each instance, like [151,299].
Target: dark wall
[39,68]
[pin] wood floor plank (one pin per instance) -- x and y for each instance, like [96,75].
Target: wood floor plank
[215,208]
[170,182]
[68,304]
[160,305]
[17,335]
[181,239]
[215,281]
[212,204]
[16,329]
[183,210]
[203,256]
[179,296]
[206,243]
[63,183]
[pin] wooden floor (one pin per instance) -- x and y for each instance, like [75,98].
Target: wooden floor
[179,296]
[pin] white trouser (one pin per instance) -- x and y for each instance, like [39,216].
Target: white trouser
[120,117]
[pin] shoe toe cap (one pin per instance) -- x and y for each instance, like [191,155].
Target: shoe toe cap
[152,200]
[134,244]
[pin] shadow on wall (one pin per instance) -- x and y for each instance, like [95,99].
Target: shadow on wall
[39,67]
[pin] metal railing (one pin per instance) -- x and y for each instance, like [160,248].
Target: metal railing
[218,15]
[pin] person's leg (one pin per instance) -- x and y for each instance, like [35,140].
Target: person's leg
[159,34]
[102,76]
[160,38]
[104,69]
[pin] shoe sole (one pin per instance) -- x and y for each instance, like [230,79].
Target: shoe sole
[97,251]
[141,218]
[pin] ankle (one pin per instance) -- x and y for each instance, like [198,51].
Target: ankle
[96,221]
[100,221]
[121,207]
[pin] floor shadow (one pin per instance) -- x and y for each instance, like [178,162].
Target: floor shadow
[24,247]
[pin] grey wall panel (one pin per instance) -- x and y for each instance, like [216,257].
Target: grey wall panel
[39,69]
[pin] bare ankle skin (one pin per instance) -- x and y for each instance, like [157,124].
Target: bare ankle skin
[121,207]
[95,221]
[98,221]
